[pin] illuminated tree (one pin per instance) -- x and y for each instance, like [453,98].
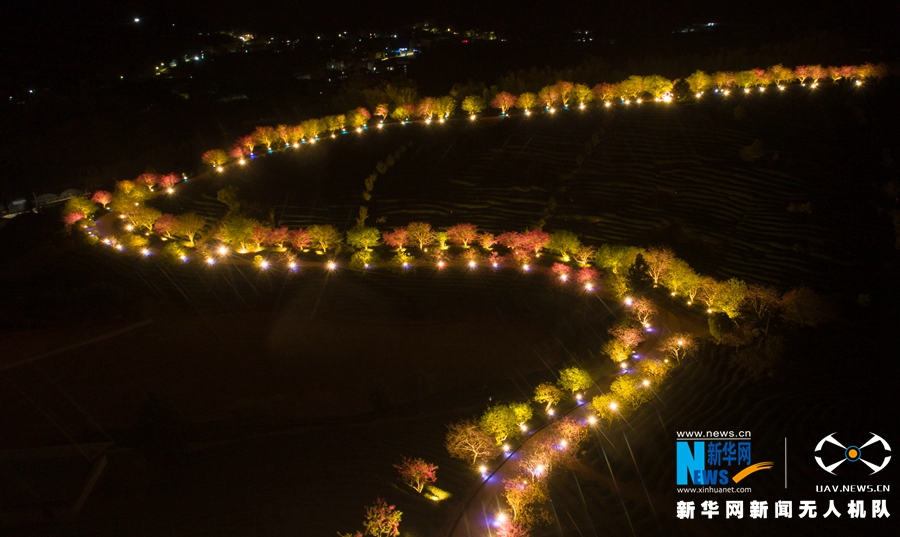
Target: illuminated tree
[401,113]
[148,180]
[699,81]
[355,118]
[324,236]
[295,134]
[487,240]
[189,226]
[761,301]
[538,456]
[631,88]
[561,270]
[604,92]
[420,233]
[630,335]
[547,393]
[425,107]
[527,101]
[168,181]
[237,230]
[504,421]
[676,278]
[466,441]
[277,237]
[779,74]
[657,86]
[258,235]
[265,135]
[398,238]
[805,307]
[616,258]
[134,242]
[658,262]
[511,239]
[381,110]
[72,218]
[801,73]
[334,123]
[565,90]
[616,350]
[473,104]
[284,134]
[462,234]
[723,296]
[563,242]
[312,128]
[678,346]
[762,77]
[416,473]
[444,106]
[229,196]
[80,204]
[817,72]
[723,79]
[299,239]
[102,197]
[363,237]
[143,217]
[630,391]
[745,79]
[521,495]
[583,254]
[548,96]
[382,520]
[247,142]
[573,432]
[654,371]
[575,379]
[166,225]
[535,240]
[582,93]
[587,277]
[214,157]
[606,406]
[511,528]
[504,101]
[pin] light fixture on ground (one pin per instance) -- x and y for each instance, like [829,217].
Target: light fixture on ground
[331,265]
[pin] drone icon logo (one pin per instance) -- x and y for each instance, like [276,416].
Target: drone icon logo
[853,453]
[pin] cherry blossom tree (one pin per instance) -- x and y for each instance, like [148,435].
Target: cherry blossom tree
[143,217]
[487,240]
[745,79]
[535,240]
[817,72]
[512,240]
[678,346]
[247,142]
[583,254]
[504,101]
[398,238]
[632,87]
[587,277]
[726,296]
[462,234]
[416,473]
[425,107]
[258,235]
[527,101]
[762,77]
[381,110]
[573,432]
[277,237]
[299,239]
[237,230]
[801,73]
[238,152]
[420,233]
[402,113]
[189,226]
[72,218]
[723,79]
[265,135]
[284,134]
[604,92]
[312,128]
[148,180]
[382,520]
[658,261]
[548,96]
[102,197]
[168,180]
[166,225]
[583,94]
[779,74]
[511,528]
[468,442]
[356,119]
[521,495]
[561,270]
[564,89]
[642,310]
[548,394]
[214,157]
[629,335]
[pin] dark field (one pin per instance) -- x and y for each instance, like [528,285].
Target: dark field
[286,398]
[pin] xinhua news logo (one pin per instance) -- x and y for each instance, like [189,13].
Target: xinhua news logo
[721,458]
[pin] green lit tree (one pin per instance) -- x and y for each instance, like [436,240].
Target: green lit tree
[575,379]
[363,237]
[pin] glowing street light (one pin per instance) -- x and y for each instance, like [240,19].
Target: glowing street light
[859,82]
[726,92]
[145,252]
[780,88]
[263,265]
[472,264]
[550,412]
[222,250]
[527,112]
[359,129]
[698,94]
[170,190]
[441,120]
[564,278]
[220,169]
[592,420]
[210,261]
[581,106]
[472,117]
[645,383]
[552,110]
[331,265]
[129,227]
[292,265]
[381,125]
[184,258]
[589,286]
[525,267]
[607,104]
[628,301]
[482,469]
[614,406]
[405,265]
[440,264]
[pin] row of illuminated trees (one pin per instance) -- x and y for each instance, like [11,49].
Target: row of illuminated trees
[406,105]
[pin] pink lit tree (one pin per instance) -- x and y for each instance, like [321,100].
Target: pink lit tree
[642,310]
[487,240]
[149,180]
[565,90]
[299,239]
[587,276]
[398,238]
[561,271]
[166,225]
[102,197]
[247,142]
[420,233]
[258,235]
[277,237]
[512,240]
[504,101]
[548,96]
[604,92]
[629,335]
[72,218]
[168,181]
[462,234]
[214,157]
[382,520]
[535,240]
[416,473]
[238,152]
